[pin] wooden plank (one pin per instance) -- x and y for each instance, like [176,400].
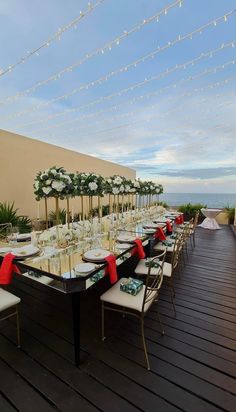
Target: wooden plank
[81,382]
[48,384]
[5,405]
[21,394]
[149,380]
[182,374]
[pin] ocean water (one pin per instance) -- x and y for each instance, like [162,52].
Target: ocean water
[213,200]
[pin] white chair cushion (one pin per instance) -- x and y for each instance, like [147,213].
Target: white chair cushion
[178,230]
[117,297]
[167,269]
[141,269]
[161,247]
[7,300]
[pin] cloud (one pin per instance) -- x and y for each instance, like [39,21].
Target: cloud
[210,173]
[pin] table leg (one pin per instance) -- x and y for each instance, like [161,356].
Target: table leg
[75,300]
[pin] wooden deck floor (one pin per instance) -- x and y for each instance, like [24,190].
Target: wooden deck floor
[193,366]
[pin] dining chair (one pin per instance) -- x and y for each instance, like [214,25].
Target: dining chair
[185,231]
[118,301]
[193,228]
[168,268]
[9,301]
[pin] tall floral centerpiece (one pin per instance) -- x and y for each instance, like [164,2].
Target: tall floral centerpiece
[56,183]
[90,184]
[115,186]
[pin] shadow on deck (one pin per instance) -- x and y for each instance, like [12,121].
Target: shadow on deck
[193,366]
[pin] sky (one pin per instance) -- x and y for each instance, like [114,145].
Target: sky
[154,94]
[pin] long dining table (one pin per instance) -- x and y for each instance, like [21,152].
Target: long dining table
[59,268]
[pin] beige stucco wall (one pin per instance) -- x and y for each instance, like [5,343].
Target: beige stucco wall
[21,158]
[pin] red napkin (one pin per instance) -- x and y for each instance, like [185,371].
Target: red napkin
[169,226]
[7,269]
[139,249]
[179,220]
[111,268]
[160,234]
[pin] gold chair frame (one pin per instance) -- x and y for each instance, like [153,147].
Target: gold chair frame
[151,293]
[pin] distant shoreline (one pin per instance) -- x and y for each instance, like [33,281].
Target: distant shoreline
[218,200]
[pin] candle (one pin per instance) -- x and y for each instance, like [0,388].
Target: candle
[66,218]
[72,214]
[38,210]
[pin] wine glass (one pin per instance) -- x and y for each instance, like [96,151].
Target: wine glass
[14,234]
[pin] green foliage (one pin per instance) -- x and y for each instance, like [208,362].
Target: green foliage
[190,210]
[8,214]
[62,216]
[164,204]
[230,213]
[24,224]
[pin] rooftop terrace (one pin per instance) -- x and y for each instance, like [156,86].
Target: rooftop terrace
[193,366]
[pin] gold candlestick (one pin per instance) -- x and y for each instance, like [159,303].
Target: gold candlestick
[57,210]
[68,212]
[82,207]
[46,212]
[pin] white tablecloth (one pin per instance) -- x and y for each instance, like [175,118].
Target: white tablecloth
[210,222]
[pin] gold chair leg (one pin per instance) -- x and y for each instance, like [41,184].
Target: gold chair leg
[144,344]
[18,327]
[103,337]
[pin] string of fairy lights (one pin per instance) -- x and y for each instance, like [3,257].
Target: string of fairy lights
[99,81]
[168,71]
[169,112]
[131,88]
[100,51]
[116,107]
[210,86]
[123,69]
[56,36]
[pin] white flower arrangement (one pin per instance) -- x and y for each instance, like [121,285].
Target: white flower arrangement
[115,185]
[89,184]
[53,182]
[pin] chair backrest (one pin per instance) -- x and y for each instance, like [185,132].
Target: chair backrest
[187,229]
[195,222]
[154,278]
[176,252]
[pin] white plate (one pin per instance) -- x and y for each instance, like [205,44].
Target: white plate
[150,226]
[23,236]
[96,254]
[123,246]
[150,230]
[126,238]
[25,251]
[84,267]
[5,250]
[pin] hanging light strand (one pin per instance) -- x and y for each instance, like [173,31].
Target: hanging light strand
[104,78]
[51,39]
[100,51]
[114,108]
[153,106]
[126,90]
[184,66]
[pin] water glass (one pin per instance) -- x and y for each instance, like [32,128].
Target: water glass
[13,236]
